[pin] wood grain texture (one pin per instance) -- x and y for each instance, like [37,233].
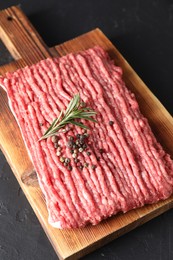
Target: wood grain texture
[27,48]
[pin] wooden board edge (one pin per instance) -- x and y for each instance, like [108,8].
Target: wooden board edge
[120,232]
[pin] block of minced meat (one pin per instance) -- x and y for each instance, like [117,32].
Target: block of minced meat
[87,175]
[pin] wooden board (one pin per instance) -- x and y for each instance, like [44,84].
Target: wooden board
[27,47]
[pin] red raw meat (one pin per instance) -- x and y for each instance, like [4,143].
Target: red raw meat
[130,167]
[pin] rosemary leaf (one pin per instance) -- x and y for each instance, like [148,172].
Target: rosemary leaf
[72,112]
[79,124]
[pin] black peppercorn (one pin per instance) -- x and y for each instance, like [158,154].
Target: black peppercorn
[70,144]
[82,141]
[71,138]
[86,164]
[93,167]
[101,150]
[76,160]
[74,146]
[69,168]
[56,145]
[81,167]
[58,153]
[111,123]
[62,159]
[67,160]
[84,131]
[82,137]
[77,142]
[84,146]
[65,164]
[80,149]
[54,139]
[74,155]
[78,136]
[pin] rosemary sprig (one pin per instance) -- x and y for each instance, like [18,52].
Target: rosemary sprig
[74,111]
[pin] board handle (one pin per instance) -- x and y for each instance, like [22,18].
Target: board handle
[20,37]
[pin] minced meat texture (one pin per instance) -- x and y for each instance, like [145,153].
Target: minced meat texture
[125,165]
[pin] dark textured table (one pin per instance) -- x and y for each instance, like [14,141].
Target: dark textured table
[143,33]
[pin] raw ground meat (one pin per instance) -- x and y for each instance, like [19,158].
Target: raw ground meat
[131,169]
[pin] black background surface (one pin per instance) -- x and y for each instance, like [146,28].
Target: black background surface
[143,33]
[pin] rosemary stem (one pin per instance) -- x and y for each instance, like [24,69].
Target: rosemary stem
[73,111]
